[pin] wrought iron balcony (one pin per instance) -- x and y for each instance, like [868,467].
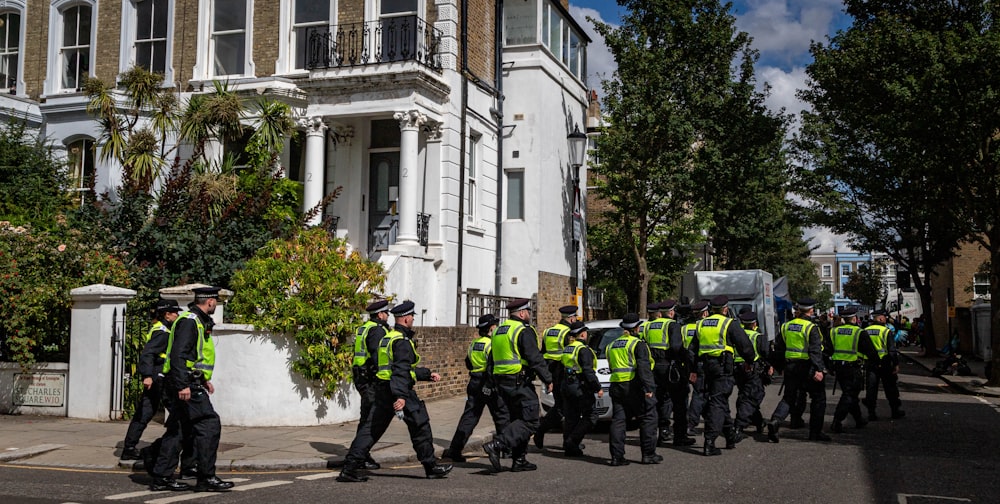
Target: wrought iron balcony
[404,38]
[423,226]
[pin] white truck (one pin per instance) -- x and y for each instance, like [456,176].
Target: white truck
[744,288]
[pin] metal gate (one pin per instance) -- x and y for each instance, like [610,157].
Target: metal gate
[117,364]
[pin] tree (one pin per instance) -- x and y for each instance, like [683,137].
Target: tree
[33,184]
[864,285]
[898,145]
[675,63]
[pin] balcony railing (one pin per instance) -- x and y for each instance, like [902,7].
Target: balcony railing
[404,38]
[477,304]
[423,226]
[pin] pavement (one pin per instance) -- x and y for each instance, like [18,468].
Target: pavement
[85,444]
[975,384]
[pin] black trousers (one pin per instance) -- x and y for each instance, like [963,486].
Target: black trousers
[518,393]
[699,398]
[672,398]
[381,415]
[798,376]
[367,392]
[718,387]
[890,383]
[145,408]
[553,418]
[850,377]
[198,417]
[748,398]
[579,409]
[628,400]
[476,401]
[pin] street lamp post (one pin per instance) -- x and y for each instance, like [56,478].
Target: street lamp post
[577,150]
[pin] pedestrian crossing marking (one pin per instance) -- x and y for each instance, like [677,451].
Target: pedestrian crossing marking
[263,484]
[130,495]
[179,498]
[310,477]
[904,498]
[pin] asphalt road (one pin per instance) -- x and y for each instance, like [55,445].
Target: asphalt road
[946,450]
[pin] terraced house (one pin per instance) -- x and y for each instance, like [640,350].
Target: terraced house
[445,121]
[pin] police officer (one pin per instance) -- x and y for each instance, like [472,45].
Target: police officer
[801,346]
[748,374]
[516,361]
[398,372]
[633,392]
[699,397]
[672,364]
[479,391]
[151,370]
[366,339]
[554,340]
[187,384]
[884,369]
[715,344]
[851,346]
[579,386]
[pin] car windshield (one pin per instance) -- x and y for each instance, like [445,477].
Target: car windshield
[601,338]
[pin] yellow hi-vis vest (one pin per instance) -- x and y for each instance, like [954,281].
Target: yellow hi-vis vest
[712,335]
[552,342]
[361,355]
[795,332]
[571,356]
[621,358]
[385,356]
[479,350]
[753,335]
[506,359]
[657,334]
[688,332]
[157,326]
[845,343]
[205,346]
[879,335]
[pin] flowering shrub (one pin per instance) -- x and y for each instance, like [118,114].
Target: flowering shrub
[37,271]
[310,286]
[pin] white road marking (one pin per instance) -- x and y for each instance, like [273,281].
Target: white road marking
[179,498]
[310,477]
[135,494]
[995,407]
[263,484]
[903,498]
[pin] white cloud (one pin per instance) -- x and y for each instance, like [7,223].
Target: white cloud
[826,240]
[783,29]
[784,85]
[601,63]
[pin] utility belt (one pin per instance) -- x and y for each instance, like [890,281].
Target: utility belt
[518,379]
[848,364]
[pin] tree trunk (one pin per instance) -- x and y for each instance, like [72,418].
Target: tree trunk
[643,282]
[927,339]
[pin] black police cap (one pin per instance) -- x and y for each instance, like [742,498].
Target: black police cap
[206,292]
[748,317]
[719,301]
[577,327]
[653,307]
[805,303]
[630,320]
[167,305]
[668,305]
[848,312]
[568,310]
[880,312]
[518,304]
[377,306]
[699,306]
[402,309]
[486,321]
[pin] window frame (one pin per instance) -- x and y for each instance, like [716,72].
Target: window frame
[54,83]
[17,7]
[285,64]
[981,279]
[130,25]
[78,173]
[507,194]
[472,173]
[204,68]
[826,271]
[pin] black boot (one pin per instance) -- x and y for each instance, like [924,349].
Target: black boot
[540,438]
[453,456]
[819,436]
[837,427]
[898,413]
[772,431]
[651,459]
[161,484]
[522,464]
[130,454]
[437,471]
[493,449]
[351,474]
[572,450]
[797,423]
[683,441]
[213,484]
[371,465]
[733,438]
[665,436]
[709,450]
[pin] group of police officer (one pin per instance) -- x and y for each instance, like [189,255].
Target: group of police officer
[652,364]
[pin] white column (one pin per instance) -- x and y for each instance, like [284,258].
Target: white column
[409,125]
[313,180]
[97,310]
[432,195]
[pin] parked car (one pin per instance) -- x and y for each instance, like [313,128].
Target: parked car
[600,334]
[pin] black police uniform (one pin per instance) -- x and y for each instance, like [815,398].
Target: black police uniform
[750,386]
[197,413]
[364,378]
[798,376]
[850,377]
[553,418]
[579,402]
[628,399]
[881,371]
[719,384]
[150,366]
[480,394]
[399,386]
[518,393]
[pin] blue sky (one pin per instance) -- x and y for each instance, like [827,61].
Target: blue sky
[782,31]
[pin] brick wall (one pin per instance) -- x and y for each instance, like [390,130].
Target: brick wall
[481,43]
[350,11]
[266,20]
[106,53]
[957,276]
[442,350]
[35,45]
[553,291]
[185,40]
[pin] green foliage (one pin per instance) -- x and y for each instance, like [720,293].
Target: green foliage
[864,285]
[33,184]
[312,287]
[37,271]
